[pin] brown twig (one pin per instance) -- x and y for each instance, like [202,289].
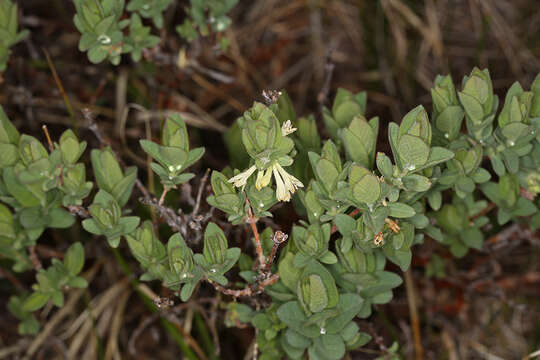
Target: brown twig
[188,338]
[278,239]
[171,218]
[199,193]
[62,91]
[66,310]
[35,258]
[258,246]
[249,290]
[329,71]
[162,197]
[12,279]
[413,311]
[45,251]
[79,211]
[48,136]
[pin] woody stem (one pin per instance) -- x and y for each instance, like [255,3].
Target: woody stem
[162,198]
[258,246]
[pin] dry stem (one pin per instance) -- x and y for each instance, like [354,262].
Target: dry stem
[249,290]
[253,222]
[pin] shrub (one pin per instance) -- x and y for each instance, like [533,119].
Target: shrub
[359,208]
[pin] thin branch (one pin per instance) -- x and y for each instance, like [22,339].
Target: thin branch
[35,258]
[187,337]
[199,193]
[171,218]
[329,71]
[48,136]
[62,91]
[162,198]
[413,311]
[12,279]
[258,246]
[79,211]
[249,290]
[278,239]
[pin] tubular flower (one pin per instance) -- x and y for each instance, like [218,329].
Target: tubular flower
[286,183]
[287,128]
[263,178]
[241,179]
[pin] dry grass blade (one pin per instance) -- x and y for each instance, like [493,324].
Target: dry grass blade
[413,311]
[61,314]
[62,91]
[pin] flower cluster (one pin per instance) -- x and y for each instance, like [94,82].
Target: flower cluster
[269,160]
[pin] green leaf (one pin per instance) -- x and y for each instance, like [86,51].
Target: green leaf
[328,258]
[292,315]
[60,218]
[415,182]
[74,258]
[78,282]
[296,339]
[524,207]
[481,176]
[465,184]
[261,321]
[438,155]
[472,107]
[367,189]
[187,291]
[435,199]
[92,227]
[194,156]
[473,238]
[57,298]
[497,164]
[129,224]
[317,288]
[346,111]
[113,241]
[449,121]
[8,132]
[327,172]
[413,151]
[345,224]
[36,301]
[122,190]
[348,306]
[360,139]
[10,155]
[330,346]
[20,192]
[400,210]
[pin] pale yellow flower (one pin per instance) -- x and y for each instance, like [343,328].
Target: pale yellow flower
[286,184]
[263,178]
[287,128]
[240,180]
